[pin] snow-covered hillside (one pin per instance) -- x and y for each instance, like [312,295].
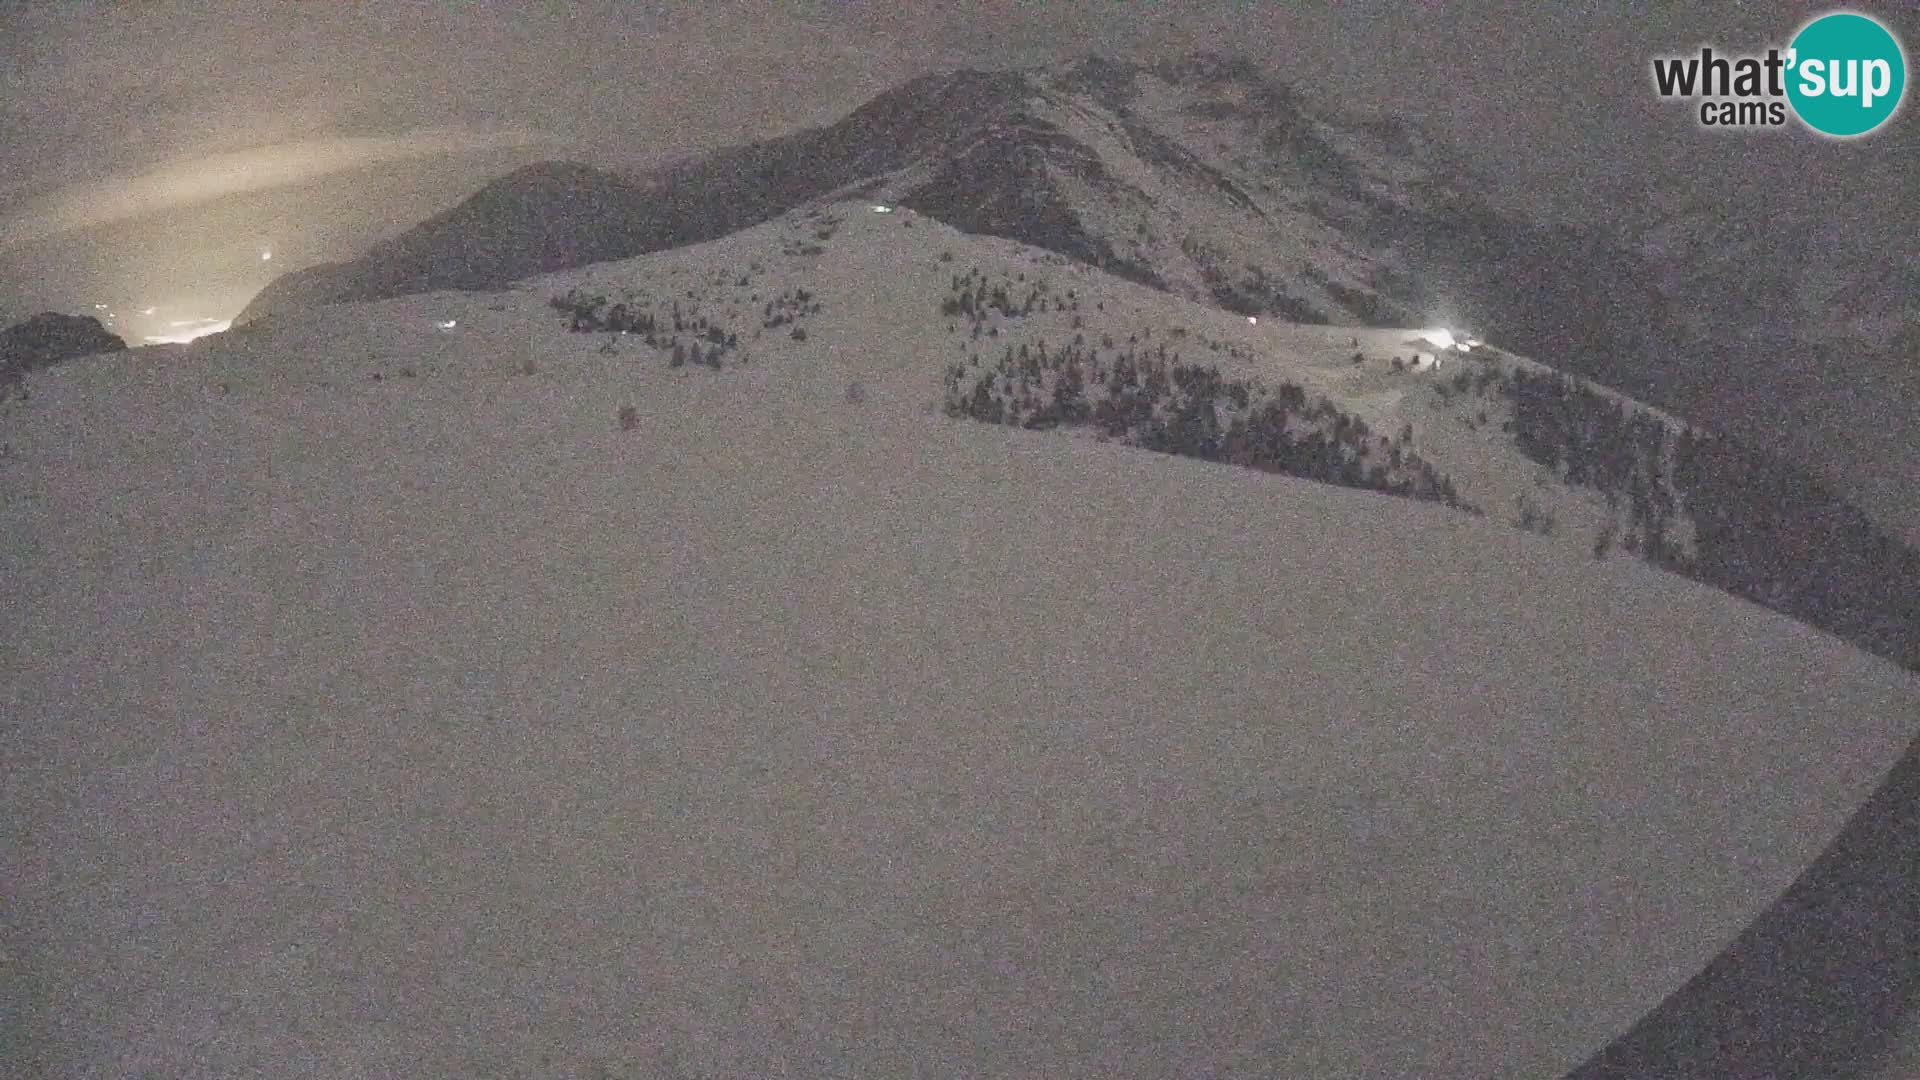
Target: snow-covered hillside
[1201,176]
[1487,431]
[421,688]
[874,301]
[1207,176]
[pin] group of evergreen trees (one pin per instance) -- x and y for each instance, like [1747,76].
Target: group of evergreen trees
[1761,529]
[969,296]
[1774,534]
[1156,402]
[704,343]
[822,226]
[1593,441]
[1764,530]
[789,307]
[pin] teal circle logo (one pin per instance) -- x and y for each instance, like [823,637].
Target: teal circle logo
[1846,75]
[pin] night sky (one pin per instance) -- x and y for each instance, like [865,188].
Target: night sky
[155,152]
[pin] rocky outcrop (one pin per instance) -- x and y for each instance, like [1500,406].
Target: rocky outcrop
[50,338]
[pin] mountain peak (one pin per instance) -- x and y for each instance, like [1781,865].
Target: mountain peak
[1200,175]
[547,172]
[1212,66]
[1202,69]
[1106,79]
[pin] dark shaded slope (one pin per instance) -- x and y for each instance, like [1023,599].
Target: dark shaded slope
[1821,982]
[540,218]
[999,186]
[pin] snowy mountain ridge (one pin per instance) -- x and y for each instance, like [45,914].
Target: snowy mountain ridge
[1205,176]
[1200,176]
[637,672]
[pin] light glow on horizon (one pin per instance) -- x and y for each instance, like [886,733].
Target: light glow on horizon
[195,328]
[192,181]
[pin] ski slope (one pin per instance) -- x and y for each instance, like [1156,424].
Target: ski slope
[435,725]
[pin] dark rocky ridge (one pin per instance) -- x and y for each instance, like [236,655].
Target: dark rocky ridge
[50,338]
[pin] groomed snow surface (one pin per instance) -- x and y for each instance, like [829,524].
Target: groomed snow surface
[437,726]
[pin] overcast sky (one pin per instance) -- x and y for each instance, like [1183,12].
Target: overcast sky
[153,151]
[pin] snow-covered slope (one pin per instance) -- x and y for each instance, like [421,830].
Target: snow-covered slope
[541,708]
[1200,176]
[881,295]
[1205,176]
[1507,437]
